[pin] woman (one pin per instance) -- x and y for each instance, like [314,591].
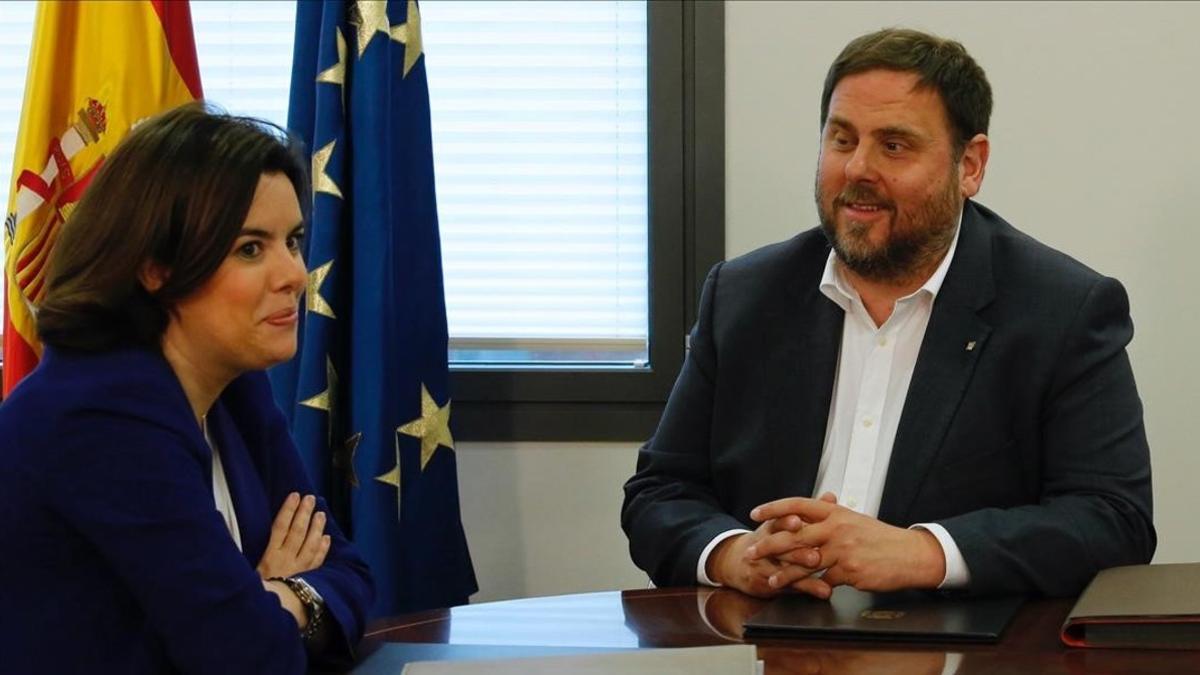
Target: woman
[150,496]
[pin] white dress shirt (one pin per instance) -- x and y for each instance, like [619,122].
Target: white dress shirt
[875,367]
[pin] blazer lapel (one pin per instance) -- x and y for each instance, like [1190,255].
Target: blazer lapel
[245,487]
[954,339]
[802,338]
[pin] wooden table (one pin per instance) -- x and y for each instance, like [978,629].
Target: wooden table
[680,617]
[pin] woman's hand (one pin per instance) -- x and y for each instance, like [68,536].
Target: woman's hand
[298,540]
[289,601]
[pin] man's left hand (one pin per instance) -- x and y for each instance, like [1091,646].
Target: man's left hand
[855,549]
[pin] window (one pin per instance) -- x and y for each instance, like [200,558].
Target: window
[579,150]
[244,51]
[539,129]
[16,34]
[617,398]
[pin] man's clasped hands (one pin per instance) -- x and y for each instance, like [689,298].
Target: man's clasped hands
[813,545]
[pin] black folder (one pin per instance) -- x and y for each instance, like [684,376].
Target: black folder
[904,616]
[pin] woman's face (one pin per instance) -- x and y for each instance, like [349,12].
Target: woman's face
[245,316]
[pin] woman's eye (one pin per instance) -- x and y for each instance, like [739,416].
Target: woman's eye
[294,241]
[250,249]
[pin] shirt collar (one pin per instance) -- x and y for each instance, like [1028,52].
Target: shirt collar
[834,286]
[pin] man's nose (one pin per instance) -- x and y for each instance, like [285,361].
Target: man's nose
[860,166]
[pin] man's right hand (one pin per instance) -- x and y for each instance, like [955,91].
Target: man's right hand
[298,540]
[728,565]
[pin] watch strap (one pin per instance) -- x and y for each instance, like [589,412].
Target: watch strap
[314,604]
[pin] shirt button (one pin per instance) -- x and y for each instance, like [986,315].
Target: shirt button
[853,503]
[867,422]
[883,342]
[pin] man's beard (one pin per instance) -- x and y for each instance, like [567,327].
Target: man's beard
[917,241]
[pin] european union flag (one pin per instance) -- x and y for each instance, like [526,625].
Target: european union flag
[367,395]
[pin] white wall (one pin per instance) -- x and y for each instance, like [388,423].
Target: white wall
[544,518]
[1095,150]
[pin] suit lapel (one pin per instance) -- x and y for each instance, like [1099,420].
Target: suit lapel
[954,339]
[802,339]
[245,488]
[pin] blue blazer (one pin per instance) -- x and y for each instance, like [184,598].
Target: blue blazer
[1021,432]
[114,556]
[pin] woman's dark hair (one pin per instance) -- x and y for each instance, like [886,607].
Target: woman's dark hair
[940,64]
[174,193]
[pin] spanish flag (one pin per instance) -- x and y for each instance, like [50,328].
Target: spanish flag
[95,70]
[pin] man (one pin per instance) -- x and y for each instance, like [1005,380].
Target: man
[957,393]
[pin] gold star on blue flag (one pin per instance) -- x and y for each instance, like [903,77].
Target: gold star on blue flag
[378,316]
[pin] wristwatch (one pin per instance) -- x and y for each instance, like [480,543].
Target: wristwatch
[314,604]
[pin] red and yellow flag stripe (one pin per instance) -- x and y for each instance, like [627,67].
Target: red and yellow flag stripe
[95,69]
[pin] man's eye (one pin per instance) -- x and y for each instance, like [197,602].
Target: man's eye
[892,146]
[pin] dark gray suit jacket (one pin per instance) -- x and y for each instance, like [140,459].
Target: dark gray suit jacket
[1028,447]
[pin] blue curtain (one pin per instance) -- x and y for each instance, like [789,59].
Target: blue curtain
[368,394]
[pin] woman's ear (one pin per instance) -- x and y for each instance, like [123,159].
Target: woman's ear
[153,276]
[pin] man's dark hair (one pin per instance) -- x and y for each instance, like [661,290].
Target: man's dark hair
[175,192]
[940,64]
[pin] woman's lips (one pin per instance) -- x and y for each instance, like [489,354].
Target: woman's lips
[284,317]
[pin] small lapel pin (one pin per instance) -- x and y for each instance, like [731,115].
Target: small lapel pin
[971,345]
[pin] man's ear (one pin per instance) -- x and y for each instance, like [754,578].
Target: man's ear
[973,165]
[153,276]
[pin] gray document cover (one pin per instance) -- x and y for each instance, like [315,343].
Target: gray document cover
[1140,606]
[391,657]
[904,616]
[722,660]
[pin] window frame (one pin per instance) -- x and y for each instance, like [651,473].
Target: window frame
[686,156]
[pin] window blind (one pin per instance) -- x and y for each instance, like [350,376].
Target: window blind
[245,54]
[539,134]
[16,35]
[540,151]
[244,50]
